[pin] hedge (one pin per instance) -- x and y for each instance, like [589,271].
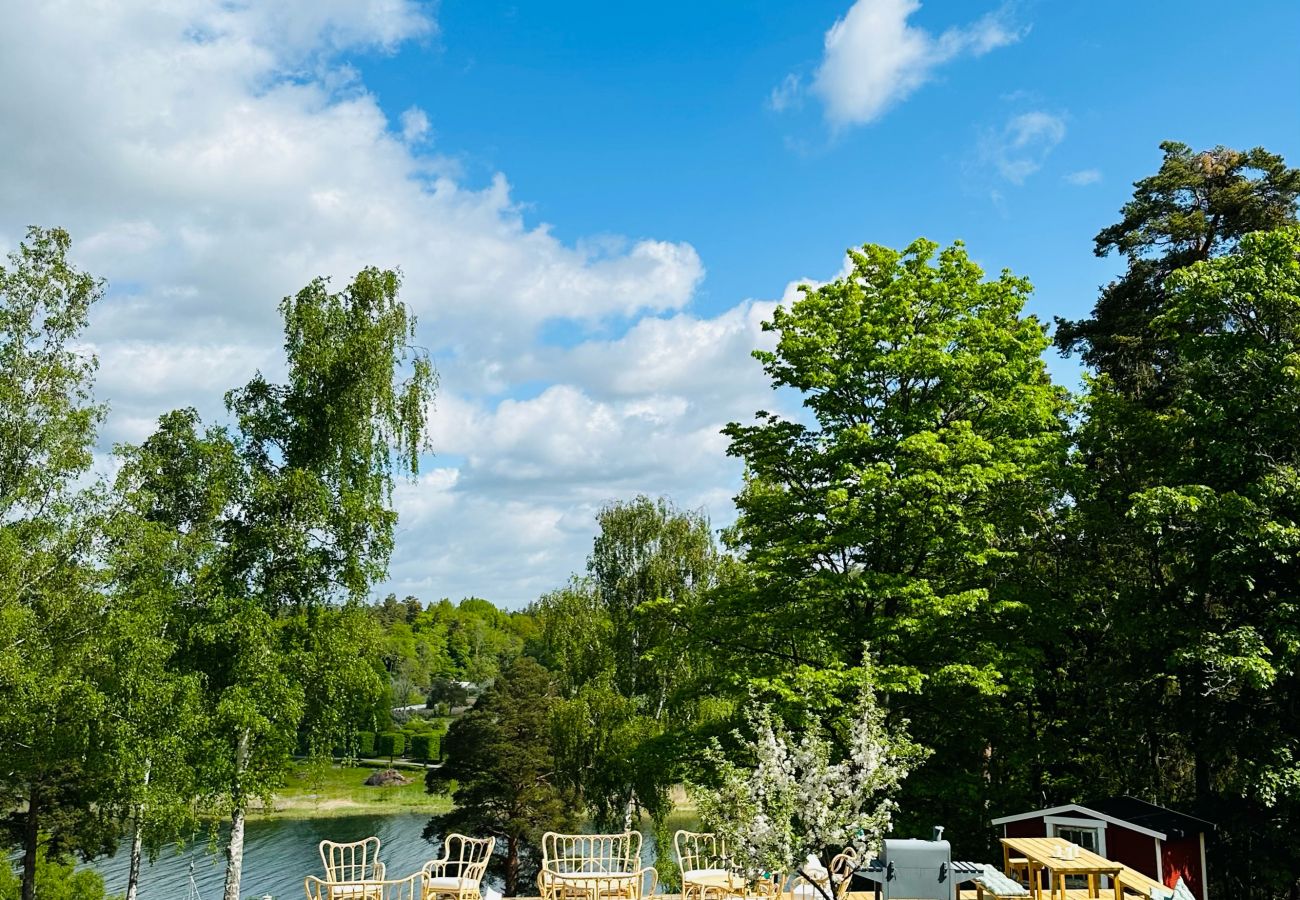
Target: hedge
[365,744]
[390,744]
[424,746]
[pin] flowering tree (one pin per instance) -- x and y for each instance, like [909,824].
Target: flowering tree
[797,803]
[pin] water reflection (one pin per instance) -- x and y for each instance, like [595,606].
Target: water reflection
[278,854]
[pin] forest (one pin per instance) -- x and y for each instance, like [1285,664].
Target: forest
[1055,593]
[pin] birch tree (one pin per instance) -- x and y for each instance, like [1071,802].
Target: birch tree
[295,498]
[53,739]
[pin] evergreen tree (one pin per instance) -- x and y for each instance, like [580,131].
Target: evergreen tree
[500,758]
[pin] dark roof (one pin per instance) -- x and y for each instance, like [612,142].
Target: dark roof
[1148,815]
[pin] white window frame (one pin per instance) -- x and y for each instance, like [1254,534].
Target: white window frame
[1073,822]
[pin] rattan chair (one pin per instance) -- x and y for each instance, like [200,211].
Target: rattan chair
[458,874]
[409,888]
[350,869]
[837,878]
[708,873]
[594,866]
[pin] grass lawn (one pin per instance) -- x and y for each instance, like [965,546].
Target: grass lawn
[315,789]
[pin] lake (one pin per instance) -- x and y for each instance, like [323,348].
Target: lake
[278,855]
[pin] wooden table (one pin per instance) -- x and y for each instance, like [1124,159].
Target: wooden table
[1044,854]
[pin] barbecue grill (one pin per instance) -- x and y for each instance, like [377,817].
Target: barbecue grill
[918,870]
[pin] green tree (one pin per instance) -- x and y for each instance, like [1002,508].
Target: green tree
[895,510]
[616,640]
[1207,621]
[55,739]
[295,503]
[155,704]
[55,881]
[1197,206]
[1184,432]
[447,693]
[500,758]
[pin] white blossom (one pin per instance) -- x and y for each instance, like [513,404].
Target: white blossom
[795,801]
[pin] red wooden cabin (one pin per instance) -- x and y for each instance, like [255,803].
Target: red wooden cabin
[1158,842]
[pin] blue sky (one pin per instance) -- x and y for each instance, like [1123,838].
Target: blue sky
[595,205]
[651,119]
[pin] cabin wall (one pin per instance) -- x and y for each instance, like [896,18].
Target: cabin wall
[1025,828]
[1132,848]
[1182,857]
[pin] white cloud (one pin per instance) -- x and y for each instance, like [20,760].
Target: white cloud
[415,125]
[1084,177]
[1021,146]
[210,157]
[874,58]
[787,94]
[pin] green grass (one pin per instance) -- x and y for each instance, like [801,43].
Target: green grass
[322,790]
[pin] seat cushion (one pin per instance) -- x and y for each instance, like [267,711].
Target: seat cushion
[703,874]
[450,884]
[349,890]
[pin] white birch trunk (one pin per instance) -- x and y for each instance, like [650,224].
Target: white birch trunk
[235,851]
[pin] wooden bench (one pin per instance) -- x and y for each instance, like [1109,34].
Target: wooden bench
[1134,882]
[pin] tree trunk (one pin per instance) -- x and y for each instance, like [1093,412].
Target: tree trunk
[31,840]
[512,866]
[235,851]
[629,807]
[137,843]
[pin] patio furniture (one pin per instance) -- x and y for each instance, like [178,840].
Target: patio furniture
[814,878]
[1059,859]
[409,888]
[593,866]
[708,874]
[993,883]
[459,873]
[601,885]
[350,869]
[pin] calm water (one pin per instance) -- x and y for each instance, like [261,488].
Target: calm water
[278,855]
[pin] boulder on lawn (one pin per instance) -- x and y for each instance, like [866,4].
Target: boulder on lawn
[387,778]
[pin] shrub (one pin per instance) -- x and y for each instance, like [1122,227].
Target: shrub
[365,744]
[55,880]
[424,746]
[390,744]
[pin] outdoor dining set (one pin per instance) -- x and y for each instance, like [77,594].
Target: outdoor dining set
[609,867]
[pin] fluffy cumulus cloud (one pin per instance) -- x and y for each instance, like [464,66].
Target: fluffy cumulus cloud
[874,58]
[210,157]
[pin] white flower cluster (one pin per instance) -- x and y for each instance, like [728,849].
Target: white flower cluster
[795,801]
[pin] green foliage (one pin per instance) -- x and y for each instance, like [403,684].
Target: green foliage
[390,744]
[56,881]
[287,521]
[501,762]
[1197,206]
[616,641]
[424,746]
[446,694]
[365,744]
[426,650]
[794,798]
[896,511]
[1213,523]
[56,731]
